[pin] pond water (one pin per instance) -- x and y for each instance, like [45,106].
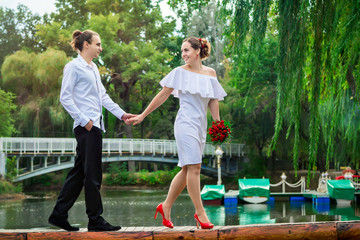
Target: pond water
[137,208]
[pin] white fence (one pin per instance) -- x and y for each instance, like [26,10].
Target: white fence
[50,146]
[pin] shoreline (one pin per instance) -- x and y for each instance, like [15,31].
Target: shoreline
[13,196]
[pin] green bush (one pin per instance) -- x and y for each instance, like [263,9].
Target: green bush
[118,175]
[10,166]
[7,187]
[44,180]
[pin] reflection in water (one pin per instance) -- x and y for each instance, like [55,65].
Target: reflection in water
[137,208]
[216,214]
[254,214]
[345,213]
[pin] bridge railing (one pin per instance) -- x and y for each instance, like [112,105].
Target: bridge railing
[36,146]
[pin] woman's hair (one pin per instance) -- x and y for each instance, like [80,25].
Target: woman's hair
[78,38]
[202,44]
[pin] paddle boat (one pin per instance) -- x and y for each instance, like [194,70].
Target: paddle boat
[254,190]
[341,190]
[212,194]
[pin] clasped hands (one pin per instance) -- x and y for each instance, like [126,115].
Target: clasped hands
[134,119]
[128,118]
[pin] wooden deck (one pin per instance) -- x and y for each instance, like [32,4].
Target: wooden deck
[293,231]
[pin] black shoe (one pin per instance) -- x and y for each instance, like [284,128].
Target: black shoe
[101,225]
[64,224]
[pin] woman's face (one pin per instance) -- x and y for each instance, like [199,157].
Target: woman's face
[188,53]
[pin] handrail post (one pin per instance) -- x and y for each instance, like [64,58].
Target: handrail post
[131,147]
[120,147]
[142,147]
[31,164]
[108,143]
[17,165]
[283,186]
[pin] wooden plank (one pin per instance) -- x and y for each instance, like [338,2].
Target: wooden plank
[12,235]
[130,229]
[148,229]
[89,235]
[318,231]
[184,228]
[348,230]
[158,229]
[207,234]
[293,231]
[173,235]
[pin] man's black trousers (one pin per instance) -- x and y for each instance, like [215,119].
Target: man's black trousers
[86,173]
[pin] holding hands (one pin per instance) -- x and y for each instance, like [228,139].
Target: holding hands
[135,120]
[159,99]
[127,116]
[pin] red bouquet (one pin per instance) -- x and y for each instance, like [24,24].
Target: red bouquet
[219,132]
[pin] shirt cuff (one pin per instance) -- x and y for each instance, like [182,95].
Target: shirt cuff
[84,120]
[121,115]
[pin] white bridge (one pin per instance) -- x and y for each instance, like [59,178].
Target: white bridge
[37,156]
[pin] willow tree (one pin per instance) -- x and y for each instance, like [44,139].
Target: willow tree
[317,67]
[35,79]
[17,30]
[7,107]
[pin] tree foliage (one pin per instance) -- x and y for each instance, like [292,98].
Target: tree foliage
[7,107]
[36,80]
[17,30]
[135,57]
[289,64]
[317,69]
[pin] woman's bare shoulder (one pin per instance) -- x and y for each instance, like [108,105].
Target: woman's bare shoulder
[210,71]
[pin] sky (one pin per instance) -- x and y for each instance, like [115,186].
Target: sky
[47,6]
[36,6]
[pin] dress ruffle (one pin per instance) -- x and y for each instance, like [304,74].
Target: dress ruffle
[195,83]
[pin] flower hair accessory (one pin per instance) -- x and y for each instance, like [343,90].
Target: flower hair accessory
[219,132]
[202,45]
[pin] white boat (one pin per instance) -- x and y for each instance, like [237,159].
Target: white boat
[255,199]
[254,190]
[343,202]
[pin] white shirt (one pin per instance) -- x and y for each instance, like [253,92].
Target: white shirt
[83,94]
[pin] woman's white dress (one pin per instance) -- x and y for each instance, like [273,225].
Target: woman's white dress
[194,91]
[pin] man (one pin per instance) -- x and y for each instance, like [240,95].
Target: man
[83,95]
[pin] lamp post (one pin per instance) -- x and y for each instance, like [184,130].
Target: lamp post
[219,152]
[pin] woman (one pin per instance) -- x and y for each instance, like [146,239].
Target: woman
[197,88]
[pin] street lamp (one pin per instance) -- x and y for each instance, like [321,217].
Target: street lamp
[219,152]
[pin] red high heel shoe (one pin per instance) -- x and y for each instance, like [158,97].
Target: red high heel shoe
[166,223]
[208,225]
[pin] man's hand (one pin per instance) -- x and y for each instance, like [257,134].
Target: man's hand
[135,120]
[89,125]
[126,117]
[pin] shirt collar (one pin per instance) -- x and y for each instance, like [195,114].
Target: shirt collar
[84,63]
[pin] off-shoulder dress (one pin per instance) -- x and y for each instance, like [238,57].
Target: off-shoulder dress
[194,91]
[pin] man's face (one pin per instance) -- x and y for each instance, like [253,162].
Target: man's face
[95,46]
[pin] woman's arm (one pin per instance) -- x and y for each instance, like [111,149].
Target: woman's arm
[214,109]
[158,100]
